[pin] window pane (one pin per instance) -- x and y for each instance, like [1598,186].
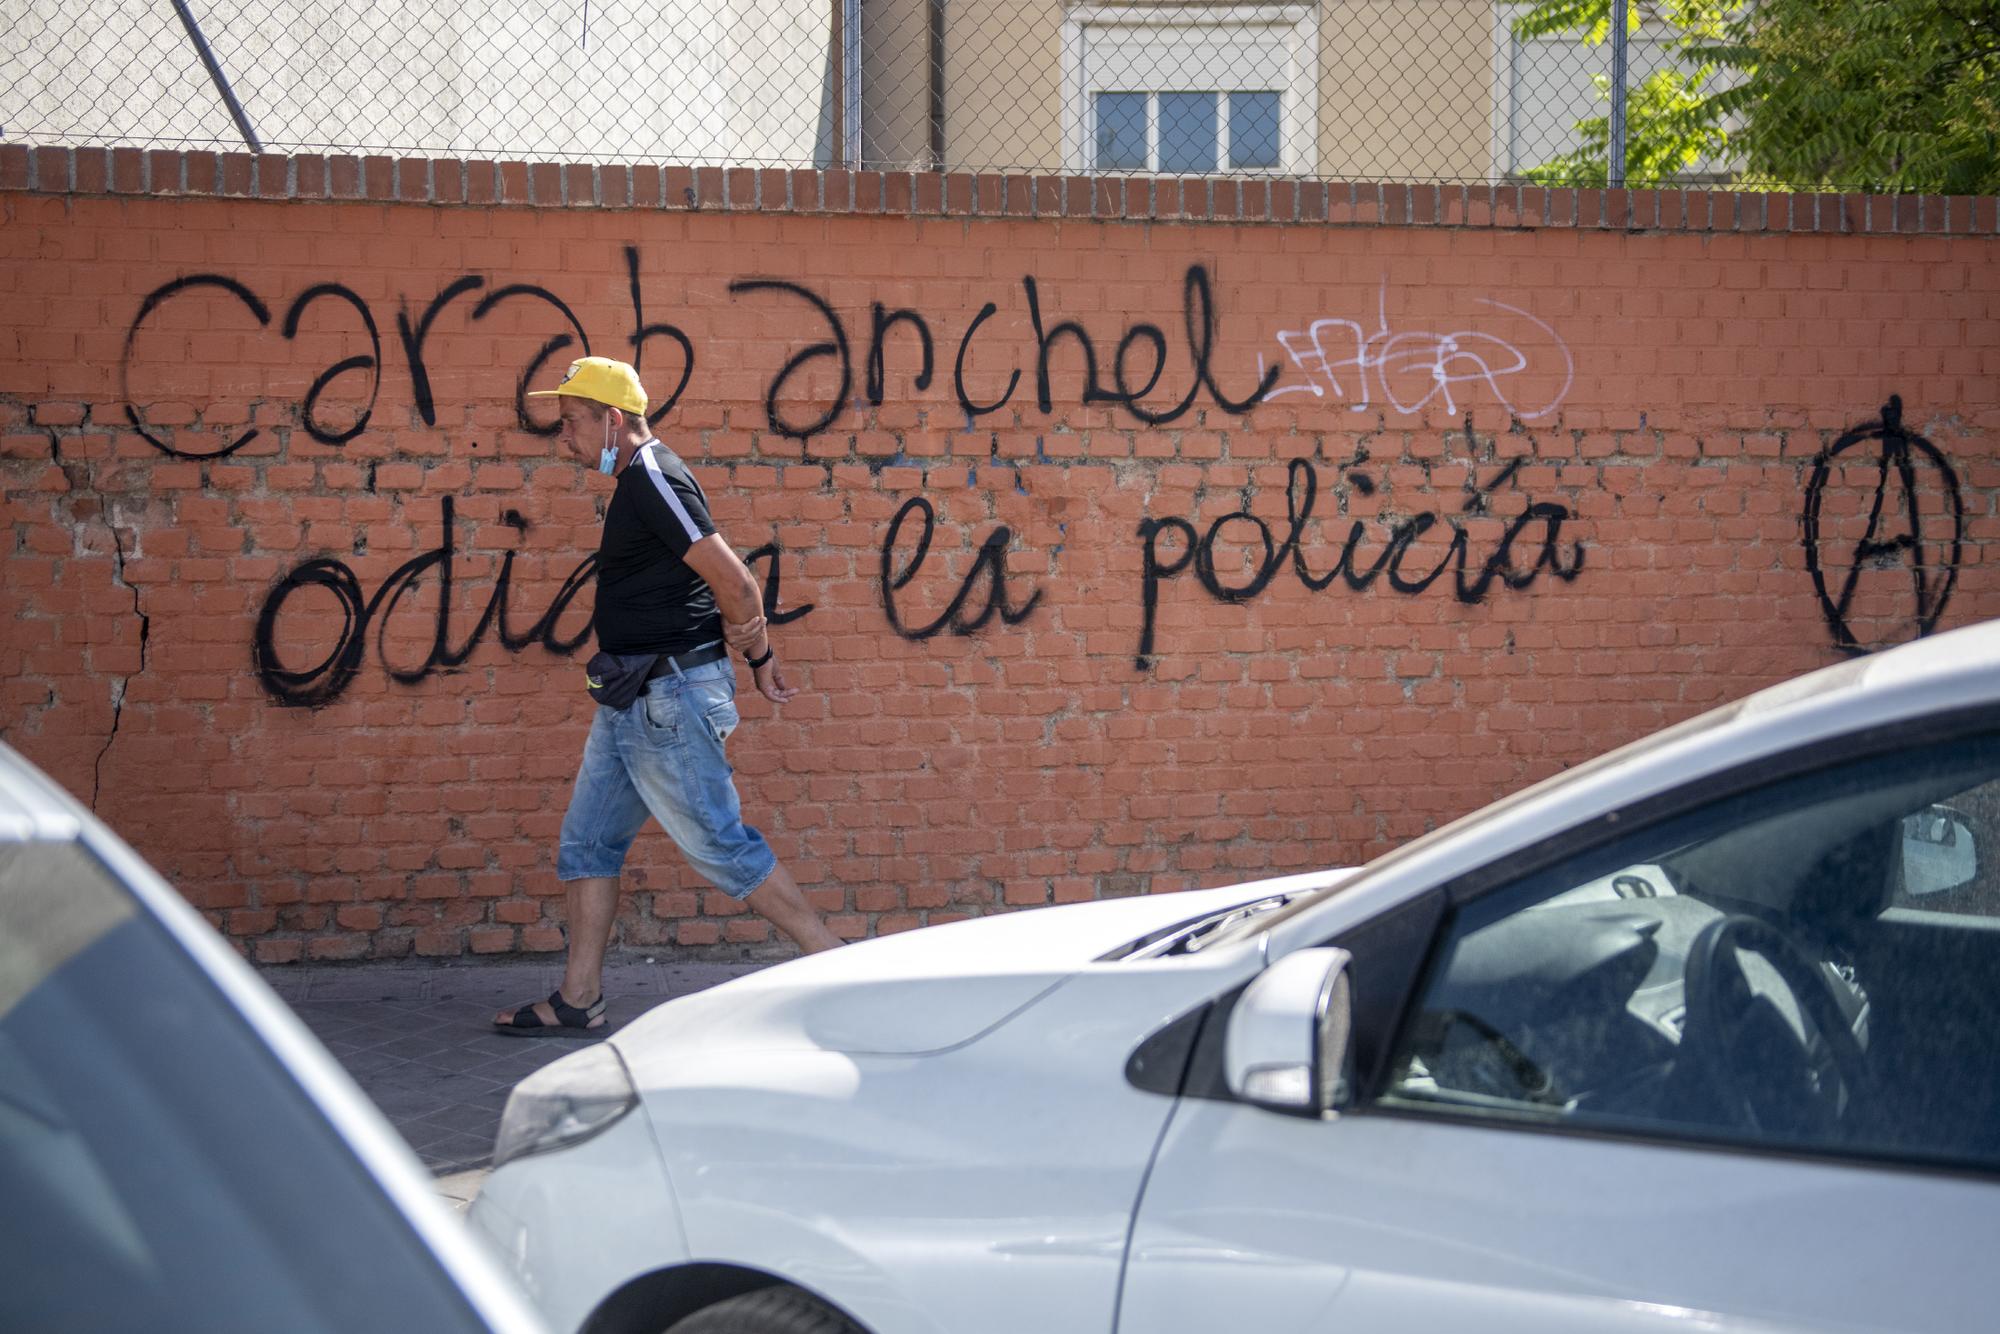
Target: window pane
[1121,131]
[1803,966]
[1253,130]
[1187,132]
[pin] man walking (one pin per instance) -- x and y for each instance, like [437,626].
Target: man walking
[672,600]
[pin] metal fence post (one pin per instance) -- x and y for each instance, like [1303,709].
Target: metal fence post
[217,77]
[936,83]
[851,65]
[1615,149]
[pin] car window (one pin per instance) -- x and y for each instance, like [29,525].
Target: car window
[1812,965]
[161,1169]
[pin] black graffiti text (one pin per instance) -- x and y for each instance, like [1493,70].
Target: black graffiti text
[1895,532]
[1142,343]
[414,329]
[990,565]
[327,680]
[1470,582]
[771,556]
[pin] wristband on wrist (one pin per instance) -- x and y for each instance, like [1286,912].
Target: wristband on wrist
[755,663]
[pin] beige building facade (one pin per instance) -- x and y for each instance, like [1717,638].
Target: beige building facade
[1358,89]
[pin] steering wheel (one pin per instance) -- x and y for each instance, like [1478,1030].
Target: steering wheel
[1744,1054]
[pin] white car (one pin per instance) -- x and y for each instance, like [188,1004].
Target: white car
[1703,1034]
[177,1151]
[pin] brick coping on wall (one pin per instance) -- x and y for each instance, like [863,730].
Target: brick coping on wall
[451,181]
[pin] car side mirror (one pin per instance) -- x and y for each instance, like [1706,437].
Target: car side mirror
[1939,852]
[1287,1046]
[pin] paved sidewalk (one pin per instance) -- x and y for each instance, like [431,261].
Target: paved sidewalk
[418,1038]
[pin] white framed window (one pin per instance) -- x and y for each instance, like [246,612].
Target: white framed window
[1191,90]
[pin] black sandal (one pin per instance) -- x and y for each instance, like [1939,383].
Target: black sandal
[571,1022]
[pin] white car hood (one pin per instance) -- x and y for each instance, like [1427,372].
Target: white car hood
[919,992]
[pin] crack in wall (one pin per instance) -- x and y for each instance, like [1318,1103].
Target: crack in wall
[81,480]
[118,687]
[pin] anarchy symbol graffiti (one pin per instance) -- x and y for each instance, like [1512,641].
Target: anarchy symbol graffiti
[1914,485]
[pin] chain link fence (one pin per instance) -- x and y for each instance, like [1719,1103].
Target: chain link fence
[1393,90]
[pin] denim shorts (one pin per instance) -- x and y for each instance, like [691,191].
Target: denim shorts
[663,757]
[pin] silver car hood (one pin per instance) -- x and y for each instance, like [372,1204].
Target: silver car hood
[919,992]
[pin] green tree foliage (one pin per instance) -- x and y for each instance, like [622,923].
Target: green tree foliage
[1884,95]
[1672,119]
[1669,128]
[1881,95]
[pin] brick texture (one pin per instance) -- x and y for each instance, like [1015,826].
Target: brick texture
[1099,610]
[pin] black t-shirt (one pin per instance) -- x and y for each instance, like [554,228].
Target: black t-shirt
[649,600]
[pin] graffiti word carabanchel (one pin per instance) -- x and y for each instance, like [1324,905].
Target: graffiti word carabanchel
[1470,585]
[1407,370]
[1128,378]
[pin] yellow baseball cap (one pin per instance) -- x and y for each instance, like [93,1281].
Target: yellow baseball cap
[601,380]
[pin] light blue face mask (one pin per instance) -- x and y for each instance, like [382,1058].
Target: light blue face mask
[607,458]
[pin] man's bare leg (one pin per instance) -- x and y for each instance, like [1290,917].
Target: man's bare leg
[593,906]
[780,902]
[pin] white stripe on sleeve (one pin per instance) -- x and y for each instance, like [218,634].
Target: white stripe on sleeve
[666,491]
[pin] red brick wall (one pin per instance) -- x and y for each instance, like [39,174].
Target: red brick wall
[1554,479]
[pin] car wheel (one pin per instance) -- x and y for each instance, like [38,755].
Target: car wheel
[778,1310]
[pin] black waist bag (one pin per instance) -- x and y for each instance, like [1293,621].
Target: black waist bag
[616,679]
